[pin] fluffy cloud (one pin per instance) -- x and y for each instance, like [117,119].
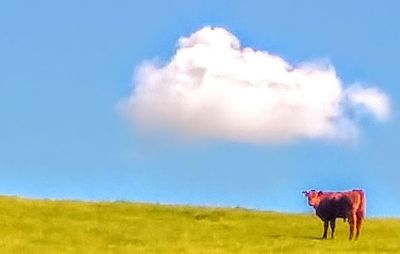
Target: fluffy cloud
[371,100]
[214,88]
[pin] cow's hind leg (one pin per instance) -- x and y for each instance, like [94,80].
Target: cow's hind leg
[333,223]
[325,229]
[353,224]
[359,223]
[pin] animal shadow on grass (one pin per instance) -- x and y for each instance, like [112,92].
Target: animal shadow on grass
[297,237]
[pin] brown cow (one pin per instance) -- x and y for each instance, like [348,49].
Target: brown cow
[331,205]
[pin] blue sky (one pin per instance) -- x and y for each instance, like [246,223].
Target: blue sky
[64,66]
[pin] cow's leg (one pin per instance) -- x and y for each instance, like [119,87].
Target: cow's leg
[353,224]
[325,229]
[333,222]
[359,223]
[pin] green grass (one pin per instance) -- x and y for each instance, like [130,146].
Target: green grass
[36,226]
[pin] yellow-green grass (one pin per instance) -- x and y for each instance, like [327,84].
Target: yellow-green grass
[40,226]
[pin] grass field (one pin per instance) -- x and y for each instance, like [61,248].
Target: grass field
[36,226]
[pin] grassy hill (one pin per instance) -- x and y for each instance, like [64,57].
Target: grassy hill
[36,226]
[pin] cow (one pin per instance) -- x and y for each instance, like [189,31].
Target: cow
[348,205]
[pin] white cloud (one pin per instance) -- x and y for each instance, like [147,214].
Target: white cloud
[214,88]
[371,100]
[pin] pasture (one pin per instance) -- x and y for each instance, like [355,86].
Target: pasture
[40,226]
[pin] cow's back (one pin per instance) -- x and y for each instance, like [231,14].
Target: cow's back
[341,204]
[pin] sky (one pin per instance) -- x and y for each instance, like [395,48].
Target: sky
[70,73]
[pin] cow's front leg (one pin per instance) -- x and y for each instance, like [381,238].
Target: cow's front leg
[333,223]
[325,229]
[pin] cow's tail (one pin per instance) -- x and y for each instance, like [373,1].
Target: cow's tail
[363,201]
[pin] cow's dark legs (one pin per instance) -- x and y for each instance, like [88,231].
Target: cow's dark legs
[325,229]
[353,224]
[333,222]
[359,223]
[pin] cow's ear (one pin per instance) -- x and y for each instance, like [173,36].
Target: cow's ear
[320,193]
[304,193]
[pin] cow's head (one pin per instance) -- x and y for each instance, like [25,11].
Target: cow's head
[313,196]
